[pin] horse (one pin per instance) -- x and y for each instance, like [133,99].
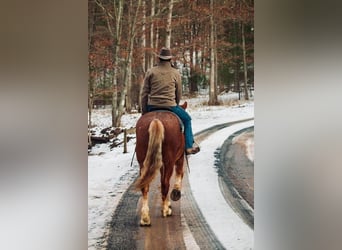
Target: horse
[160,146]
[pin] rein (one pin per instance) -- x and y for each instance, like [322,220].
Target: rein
[133,157]
[187,162]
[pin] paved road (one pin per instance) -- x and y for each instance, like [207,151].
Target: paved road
[236,174]
[170,232]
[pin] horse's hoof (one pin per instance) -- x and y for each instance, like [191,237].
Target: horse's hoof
[145,225]
[146,222]
[175,195]
[167,212]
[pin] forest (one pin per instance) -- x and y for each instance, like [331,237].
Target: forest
[212,43]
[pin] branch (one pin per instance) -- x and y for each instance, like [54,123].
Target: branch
[107,15]
[98,2]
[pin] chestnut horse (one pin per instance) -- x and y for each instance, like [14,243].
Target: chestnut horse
[159,147]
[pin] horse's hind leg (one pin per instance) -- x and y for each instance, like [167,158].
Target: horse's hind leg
[166,207]
[176,192]
[145,216]
[165,185]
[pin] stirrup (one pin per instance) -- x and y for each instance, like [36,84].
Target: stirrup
[193,150]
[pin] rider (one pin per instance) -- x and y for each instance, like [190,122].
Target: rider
[163,89]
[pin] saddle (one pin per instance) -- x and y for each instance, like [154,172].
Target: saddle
[167,109]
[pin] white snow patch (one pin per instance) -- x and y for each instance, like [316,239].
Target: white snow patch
[229,228]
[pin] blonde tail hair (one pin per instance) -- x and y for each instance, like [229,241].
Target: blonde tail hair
[153,159]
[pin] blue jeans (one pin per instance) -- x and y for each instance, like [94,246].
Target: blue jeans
[186,119]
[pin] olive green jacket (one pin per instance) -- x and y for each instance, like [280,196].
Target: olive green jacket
[162,87]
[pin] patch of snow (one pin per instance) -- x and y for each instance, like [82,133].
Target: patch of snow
[229,228]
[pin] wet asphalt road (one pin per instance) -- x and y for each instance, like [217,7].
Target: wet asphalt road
[236,174]
[236,183]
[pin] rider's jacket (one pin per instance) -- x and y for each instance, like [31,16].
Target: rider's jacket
[162,86]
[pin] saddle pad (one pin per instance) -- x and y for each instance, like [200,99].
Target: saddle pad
[168,110]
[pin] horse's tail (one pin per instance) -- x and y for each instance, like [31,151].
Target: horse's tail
[153,159]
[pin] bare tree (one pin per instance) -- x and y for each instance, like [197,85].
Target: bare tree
[168,25]
[212,87]
[115,33]
[114,17]
[132,21]
[153,7]
[91,27]
[143,36]
[244,61]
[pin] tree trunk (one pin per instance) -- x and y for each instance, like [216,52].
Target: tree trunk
[212,88]
[116,35]
[157,38]
[91,27]
[157,31]
[168,25]
[128,80]
[244,60]
[117,42]
[90,105]
[151,55]
[143,36]
[127,86]
[114,106]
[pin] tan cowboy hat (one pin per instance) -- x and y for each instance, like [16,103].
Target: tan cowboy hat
[165,53]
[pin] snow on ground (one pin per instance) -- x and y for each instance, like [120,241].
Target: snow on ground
[229,228]
[204,116]
[110,172]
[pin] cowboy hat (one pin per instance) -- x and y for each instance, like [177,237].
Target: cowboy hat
[165,54]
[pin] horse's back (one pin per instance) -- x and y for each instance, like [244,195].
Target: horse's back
[169,120]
